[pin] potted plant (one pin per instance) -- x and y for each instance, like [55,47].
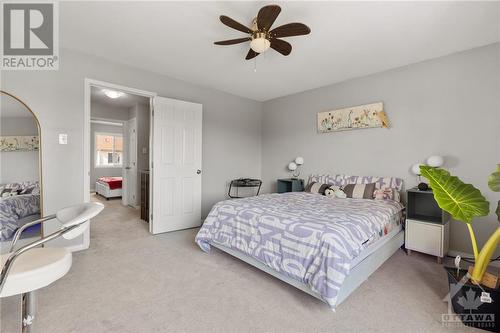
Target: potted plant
[464,202]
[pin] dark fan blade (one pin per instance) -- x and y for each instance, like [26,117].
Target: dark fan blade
[235,25]
[251,54]
[266,17]
[290,29]
[233,41]
[281,46]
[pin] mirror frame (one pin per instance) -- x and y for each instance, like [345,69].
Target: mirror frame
[40,162]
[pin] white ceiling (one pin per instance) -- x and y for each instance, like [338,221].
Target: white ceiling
[125,101]
[348,39]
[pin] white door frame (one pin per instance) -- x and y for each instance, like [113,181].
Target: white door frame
[126,160]
[88,84]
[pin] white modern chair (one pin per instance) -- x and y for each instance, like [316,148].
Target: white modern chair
[32,267]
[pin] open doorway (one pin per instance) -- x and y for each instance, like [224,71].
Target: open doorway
[169,194]
[118,147]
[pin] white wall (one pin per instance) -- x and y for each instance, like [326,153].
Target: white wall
[231,124]
[96,173]
[18,166]
[448,106]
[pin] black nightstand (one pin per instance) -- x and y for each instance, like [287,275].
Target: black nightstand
[290,185]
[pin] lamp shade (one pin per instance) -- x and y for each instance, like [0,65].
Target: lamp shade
[415,168]
[260,44]
[299,160]
[292,166]
[435,161]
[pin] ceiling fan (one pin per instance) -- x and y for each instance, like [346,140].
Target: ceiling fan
[261,37]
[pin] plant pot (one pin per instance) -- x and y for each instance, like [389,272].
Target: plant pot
[467,305]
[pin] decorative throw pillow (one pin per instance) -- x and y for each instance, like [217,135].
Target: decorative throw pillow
[380,182]
[330,193]
[335,192]
[27,190]
[28,187]
[359,191]
[317,188]
[386,193]
[335,180]
[36,190]
[8,192]
[12,186]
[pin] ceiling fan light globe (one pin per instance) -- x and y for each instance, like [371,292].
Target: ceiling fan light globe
[260,45]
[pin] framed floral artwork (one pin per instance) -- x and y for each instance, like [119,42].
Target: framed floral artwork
[362,116]
[19,143]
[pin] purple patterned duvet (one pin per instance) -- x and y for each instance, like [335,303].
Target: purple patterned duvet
[308,237]
[13,209]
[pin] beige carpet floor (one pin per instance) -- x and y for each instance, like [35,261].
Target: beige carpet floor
[131,281]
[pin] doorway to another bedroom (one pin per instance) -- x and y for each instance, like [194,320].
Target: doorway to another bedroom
[119,149]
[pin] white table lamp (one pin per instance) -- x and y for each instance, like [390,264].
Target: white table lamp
[415,168]
[295,167]
[435,161]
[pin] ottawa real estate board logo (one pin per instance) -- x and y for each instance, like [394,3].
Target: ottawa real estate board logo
[30,36]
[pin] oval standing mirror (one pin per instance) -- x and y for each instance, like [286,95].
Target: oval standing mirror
[20,170]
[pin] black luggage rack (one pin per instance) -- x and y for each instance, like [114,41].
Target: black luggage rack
[244,182]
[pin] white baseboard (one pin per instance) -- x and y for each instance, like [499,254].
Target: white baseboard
[470,255]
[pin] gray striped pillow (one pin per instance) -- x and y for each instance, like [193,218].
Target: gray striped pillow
[359,191]
[315,187]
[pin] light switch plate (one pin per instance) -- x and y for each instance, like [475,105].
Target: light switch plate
[63,139]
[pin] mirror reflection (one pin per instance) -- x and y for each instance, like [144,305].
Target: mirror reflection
[20,195]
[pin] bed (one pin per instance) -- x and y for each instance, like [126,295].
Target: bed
[16,211]
[109,187]
[324,246]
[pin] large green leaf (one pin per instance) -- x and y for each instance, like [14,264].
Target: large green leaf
[494,180]
[462,201]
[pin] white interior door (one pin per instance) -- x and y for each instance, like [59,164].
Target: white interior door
[176,167]
[131,163]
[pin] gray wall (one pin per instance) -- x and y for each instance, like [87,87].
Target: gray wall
[96,173]
[142,113]
[109,111]
[448,106]
[231,124]
[18,166]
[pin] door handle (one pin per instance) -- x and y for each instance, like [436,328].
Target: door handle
[128,168]
[198,171]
